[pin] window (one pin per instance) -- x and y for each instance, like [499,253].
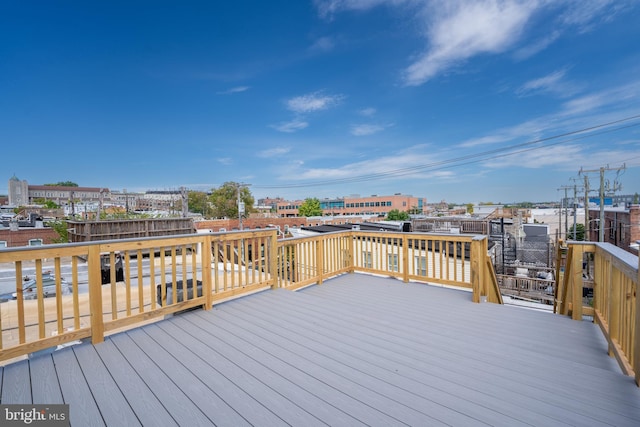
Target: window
[392,262]
[3,244]
[35,242]
[612,231]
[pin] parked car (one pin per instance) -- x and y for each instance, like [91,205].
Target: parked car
[30,287]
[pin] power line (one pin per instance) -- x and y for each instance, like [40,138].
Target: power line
[470,158]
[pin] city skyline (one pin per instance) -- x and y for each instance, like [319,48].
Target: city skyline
[463,101]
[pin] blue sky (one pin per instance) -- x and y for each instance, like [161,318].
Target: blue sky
[463,101]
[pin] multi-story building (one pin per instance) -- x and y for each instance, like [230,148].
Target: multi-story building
[621,226]
[356,205]
[18,192]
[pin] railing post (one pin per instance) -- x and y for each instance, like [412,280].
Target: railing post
[273,259]
[207,287]
[576,282]
[319,259]
[95,295]
[352,251]
[405,258]
[476,271]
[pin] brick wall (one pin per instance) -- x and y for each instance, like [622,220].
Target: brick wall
[22,236]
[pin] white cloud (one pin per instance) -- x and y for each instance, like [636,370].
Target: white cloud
[528,129]
[323,44]
[408,162]
[458,30]
[327,8]
[274,152]
[366,129]
[551,83]
[313,102]
[537,46]
[224,160]
[367,112]
[233,90]
[291,126]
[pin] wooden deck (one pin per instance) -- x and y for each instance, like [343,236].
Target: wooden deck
[357,350]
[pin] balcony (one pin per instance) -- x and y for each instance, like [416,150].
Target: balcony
[363,340]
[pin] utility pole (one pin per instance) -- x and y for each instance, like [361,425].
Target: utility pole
[586,209]
[240,204]
[566,216]
[185,202]
[604,188]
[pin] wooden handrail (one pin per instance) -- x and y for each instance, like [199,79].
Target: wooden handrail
[616,307]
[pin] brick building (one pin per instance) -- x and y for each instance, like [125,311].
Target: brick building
[621,226]
[356,205]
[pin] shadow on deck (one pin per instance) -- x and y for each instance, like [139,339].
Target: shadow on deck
[357,350]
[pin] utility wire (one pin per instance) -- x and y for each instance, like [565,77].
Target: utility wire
[470,158]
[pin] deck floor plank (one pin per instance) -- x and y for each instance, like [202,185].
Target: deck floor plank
[189,401]
[45,387]
[253,400]
[114,407]
[17,383]
[143,401]
[443,372]
[83,408]
[295,384]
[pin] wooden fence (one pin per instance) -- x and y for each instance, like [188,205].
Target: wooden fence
[119,284]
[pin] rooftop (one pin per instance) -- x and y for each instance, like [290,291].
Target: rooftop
[356,350]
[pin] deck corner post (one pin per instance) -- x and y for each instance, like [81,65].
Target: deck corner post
[476,276]
[95,295]
[405,258]
[207,285]
[273,259]
[319,259]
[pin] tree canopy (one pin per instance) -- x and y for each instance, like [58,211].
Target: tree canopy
[396,215]
[64,184]
[198,202]
[224,200]
[310,207]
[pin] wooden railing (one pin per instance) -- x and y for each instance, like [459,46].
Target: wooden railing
[119,284]
[615,305]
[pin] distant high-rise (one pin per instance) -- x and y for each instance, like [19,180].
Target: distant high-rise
[18,192]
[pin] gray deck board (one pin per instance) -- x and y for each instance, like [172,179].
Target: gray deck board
[189,401]
[83,408]
[357,350]
[143,401]
[45,387]
[113,406]
[16,383]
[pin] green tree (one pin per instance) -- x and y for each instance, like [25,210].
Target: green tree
[64,184]
[60,227]
[579,232]
[224,200]
[469,208]
[396,215]
[198,202]
[310,207]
